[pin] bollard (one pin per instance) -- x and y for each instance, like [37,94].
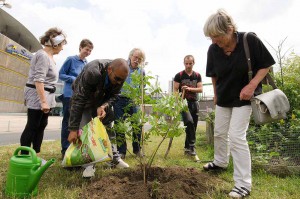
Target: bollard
[8,127]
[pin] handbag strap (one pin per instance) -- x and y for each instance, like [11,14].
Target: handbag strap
[250,73]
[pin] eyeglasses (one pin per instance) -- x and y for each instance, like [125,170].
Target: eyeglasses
[137,58]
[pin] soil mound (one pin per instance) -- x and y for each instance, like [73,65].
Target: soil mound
[173,182]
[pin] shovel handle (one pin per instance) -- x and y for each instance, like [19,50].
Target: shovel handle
[183,93]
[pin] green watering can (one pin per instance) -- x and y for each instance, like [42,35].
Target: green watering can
[24,173]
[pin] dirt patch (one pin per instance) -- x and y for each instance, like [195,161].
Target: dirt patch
[175,182]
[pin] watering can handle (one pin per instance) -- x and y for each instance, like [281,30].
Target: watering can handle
[30,150]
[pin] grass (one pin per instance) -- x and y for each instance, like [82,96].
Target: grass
[60,183]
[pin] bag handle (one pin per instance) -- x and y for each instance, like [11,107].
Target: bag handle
[250,73]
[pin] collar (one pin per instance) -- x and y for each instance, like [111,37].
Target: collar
[107,82]
[78,59]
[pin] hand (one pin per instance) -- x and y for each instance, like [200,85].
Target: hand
[101,112]
[73,137]
[45,107]
[247,92]
[184,88]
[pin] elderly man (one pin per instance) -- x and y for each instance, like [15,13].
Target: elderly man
[94,92]
[124,106]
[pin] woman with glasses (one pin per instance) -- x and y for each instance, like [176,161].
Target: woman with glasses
[227,66]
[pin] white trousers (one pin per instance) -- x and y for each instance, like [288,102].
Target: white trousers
[231,125]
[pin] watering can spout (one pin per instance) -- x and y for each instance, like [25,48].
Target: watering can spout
[37,174]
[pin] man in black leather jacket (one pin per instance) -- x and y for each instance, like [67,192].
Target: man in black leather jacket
[94,92]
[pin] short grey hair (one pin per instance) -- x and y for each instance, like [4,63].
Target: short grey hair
[217,24]
[140,51]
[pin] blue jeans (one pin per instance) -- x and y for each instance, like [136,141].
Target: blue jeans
[119,107]
[65,123]
[190,120]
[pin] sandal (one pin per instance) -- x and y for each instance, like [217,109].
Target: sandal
[239,193]
[212,167]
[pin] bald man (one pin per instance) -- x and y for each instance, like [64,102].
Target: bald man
[94,91]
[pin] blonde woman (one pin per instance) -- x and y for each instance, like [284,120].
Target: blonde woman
[227,66]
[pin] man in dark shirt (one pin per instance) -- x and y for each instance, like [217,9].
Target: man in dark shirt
[189,83]
[94,92]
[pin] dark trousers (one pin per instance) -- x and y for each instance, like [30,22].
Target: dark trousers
[120,108]
[33,133]
[65,123]
[190,120]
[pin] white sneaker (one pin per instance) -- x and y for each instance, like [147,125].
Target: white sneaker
[89,171]
[121,164]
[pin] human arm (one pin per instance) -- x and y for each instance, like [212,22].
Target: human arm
[214,82]
[64,72]
[41,65]
[101,113]
[261,61]
[176,86]
[248,91]
[73,136]
[198,89]
[41,93]
[84,88]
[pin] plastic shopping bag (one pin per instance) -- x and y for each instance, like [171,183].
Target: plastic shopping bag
[95,146]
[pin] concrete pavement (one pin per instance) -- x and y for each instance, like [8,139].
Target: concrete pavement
[13,124]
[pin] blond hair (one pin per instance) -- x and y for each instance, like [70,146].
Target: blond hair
[218,24]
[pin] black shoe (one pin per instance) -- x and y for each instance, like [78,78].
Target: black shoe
[212,167]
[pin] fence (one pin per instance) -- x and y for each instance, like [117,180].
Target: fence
[278,152]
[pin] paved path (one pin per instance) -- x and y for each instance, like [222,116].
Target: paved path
[12,126]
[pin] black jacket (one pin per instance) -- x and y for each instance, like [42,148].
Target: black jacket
[89,90]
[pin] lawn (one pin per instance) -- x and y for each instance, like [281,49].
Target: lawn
[61,183]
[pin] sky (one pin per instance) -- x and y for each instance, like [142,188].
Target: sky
[166,30]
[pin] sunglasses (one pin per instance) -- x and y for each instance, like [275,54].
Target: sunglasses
[118,79]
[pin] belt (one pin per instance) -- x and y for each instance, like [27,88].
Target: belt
[51,90]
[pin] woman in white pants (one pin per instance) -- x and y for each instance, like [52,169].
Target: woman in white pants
[227,66]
